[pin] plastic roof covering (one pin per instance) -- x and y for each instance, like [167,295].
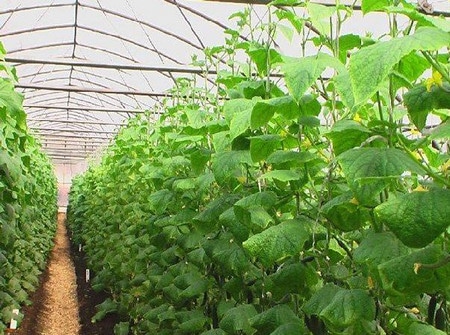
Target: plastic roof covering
[85,66]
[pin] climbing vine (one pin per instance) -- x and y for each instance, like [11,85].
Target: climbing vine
[27,202]
[298,195]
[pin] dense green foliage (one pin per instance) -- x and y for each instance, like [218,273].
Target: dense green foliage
[27,202]
[283,205]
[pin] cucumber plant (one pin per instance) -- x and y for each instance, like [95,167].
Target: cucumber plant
[297,195]
[28,193]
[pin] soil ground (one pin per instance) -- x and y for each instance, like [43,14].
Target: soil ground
[64,303]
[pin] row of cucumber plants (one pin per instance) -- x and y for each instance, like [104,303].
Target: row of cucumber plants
[28,192]
[315,201]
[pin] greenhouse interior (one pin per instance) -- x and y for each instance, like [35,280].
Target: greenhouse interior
[225,167]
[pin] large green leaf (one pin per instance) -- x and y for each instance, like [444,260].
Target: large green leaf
[344,214]
[291,158]
[373,5]
[320,16]
[442,131]
[417,218]
[354,309]
[321,299]
[12,100]
[263,57]
[269,320]
[255,217]
[236,106]
[412,326]
[240,123]
[230,257]
[252,210]
[377,248]
[278,242]
[264,110]
[160,200]
[419,101]
[291,328]
[236,320]
[296,278]
[369,170]
[283,175]
[347,134]
[263,145]
[227,166]
[216,207]
[303,72]
[404,275]
[370,66]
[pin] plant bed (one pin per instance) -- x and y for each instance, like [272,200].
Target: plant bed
[88,299]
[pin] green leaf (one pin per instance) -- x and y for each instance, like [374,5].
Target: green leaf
[122,328]
[413,327]
[416,218]
[346,43]
[263,57]
[263,145]
[236,106]
[240,123]
[217,331]
[236,320]
[369,170]
[296,278]
[293,158]
[410,68]
[441,132]
[347,134]
[370,66]
[12,100]
[264,110]
[268,321]
[216,207]
[228,165]
[419,101]
[301,73]
[282,175]
[344,88]
[229,256]
[254,217]
[404,275]
[349,308]
[321,299]
[192,285]
[194,324]
[345,214]
[320,16]
[266,199]
[106,307]
[160,200]
[292,328]
[228,219]
[373,5]
[278,242]
[377,248]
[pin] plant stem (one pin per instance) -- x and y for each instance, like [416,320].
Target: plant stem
[436,65]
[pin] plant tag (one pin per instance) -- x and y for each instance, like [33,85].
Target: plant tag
[13,322]
[79,247]
[88,275]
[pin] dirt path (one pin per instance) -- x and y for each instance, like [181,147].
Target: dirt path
[57,307]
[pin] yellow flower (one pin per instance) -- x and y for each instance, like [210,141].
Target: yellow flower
[446,166]
[357,118]
[436,79]
[415,131]
[354,201]
[420,188]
